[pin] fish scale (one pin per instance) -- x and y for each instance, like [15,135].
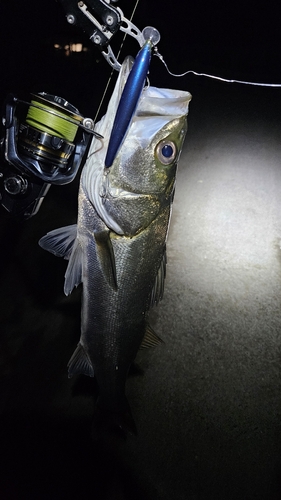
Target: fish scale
[112,340]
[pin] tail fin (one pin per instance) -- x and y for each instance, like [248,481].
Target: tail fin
[107,421]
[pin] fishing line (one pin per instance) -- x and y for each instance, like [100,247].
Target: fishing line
[226,80]
[42,118]
[124,37]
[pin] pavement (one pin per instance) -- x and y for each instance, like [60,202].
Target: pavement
[207,402]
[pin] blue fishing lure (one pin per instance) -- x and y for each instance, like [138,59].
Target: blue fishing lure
[128,101]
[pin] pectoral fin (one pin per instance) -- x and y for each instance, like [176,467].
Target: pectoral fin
[80,363]
[106,257]
[158,289]
[150,338]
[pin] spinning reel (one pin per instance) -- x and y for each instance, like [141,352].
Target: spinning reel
[45,139]
[44,142]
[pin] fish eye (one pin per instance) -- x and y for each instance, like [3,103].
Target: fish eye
[166,152]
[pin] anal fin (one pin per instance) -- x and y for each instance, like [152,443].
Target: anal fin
[150,338]
[80,363]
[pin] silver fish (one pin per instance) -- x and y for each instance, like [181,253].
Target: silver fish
[117,249]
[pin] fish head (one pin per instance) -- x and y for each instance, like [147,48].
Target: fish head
[129,195]
[147,161]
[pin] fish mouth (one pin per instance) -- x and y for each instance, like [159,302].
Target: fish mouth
[108,191]
[122,193]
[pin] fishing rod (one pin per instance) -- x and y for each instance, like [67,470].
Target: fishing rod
[45,138]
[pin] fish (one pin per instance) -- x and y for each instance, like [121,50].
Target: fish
[117,249]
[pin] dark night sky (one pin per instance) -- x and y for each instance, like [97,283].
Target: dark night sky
[236,40]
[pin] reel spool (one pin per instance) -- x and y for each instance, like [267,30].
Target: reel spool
[44,143]
[49,131]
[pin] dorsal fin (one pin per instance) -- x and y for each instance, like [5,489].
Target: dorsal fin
[60,241]
[106,257]
[80,363]
[73,275]
[150,339]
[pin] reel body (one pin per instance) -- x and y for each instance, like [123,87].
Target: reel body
[44,143]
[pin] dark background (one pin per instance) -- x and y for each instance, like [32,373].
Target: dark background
[235,40]
[207,404]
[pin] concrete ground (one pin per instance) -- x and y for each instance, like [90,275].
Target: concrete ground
[207,403]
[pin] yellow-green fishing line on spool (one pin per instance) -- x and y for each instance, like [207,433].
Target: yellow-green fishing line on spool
[54,124]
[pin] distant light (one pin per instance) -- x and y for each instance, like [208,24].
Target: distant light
[67,49]
[77,47]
